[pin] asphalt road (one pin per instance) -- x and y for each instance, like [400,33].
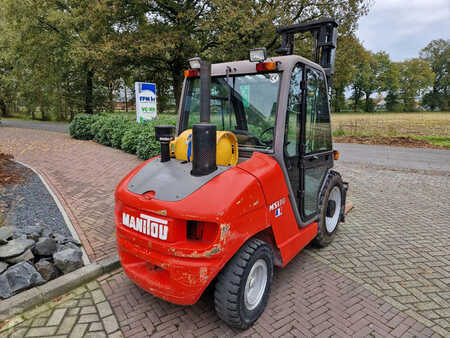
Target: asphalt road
[376,155]
[49,126]
[419,159]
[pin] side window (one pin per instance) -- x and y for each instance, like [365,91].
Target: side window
[293,116]
[317,127]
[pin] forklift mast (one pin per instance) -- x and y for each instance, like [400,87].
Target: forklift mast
[324,32]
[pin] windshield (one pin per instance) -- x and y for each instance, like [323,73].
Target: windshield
[244,104]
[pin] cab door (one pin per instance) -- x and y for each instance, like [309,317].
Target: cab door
[316,145]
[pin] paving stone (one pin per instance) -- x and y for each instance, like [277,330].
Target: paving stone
[56,317]
[78,330]
[88,318]
[74,311]
[97,326]
[98,296]
[19,333]
[85,302]
[39,322]
[92,285]
[67,324]
[110,324]
[41,331]
[95,335]
[88,310]
[104,309]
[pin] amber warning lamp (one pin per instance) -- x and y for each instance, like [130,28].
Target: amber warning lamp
[336,155]
[266,66]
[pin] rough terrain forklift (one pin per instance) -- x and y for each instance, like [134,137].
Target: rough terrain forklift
[244,182]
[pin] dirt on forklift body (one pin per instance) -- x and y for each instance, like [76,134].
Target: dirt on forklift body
[243,183]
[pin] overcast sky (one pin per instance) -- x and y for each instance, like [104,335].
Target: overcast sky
[403,27]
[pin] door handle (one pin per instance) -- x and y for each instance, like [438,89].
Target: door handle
[314,157]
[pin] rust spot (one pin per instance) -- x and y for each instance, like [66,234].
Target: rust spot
[161,212]
[214,251]
[203,274]
[224,228]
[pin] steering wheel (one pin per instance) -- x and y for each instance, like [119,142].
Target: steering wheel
[266,143]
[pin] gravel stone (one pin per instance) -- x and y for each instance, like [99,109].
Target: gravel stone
[15,247]
[26,256]
[69,245]
[68,260]
[47,270]
[23,276]
[6,232]
[3,267]
[32,232]
[30,207]
[5,289]
[45,247]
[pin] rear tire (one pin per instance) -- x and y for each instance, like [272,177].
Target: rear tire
[243,286]
[331,210]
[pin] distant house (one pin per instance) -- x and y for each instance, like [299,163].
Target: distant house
[380,105]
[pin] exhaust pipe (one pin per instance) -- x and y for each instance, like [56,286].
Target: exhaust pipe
[164,134]
[204,133]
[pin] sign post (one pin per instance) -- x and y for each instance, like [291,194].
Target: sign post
[145,101]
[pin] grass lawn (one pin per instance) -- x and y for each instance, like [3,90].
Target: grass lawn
[392,128]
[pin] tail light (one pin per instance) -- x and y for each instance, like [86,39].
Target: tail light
[201,231]
[195,230]
[266,66]
[191,73]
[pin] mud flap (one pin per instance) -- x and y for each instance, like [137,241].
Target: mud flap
[344,200]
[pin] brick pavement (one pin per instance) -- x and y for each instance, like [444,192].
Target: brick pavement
[84,312]
[386,274]
[82,174]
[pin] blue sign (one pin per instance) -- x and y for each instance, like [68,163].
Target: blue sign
[145,101]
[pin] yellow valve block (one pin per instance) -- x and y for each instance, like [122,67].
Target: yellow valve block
[226,147]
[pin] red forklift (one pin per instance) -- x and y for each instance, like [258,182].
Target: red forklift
[244,181]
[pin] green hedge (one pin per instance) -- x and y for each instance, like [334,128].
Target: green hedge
[120,132]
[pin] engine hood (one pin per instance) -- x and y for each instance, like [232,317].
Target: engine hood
[171,181]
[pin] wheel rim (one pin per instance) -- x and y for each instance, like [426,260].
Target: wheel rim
[332,220]
[256,284]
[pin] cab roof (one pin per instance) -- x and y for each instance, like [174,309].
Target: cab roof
[246,67]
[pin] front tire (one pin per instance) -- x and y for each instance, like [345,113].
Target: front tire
[331,210]
[243,286]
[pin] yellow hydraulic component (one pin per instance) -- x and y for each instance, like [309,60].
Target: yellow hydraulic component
[226,147]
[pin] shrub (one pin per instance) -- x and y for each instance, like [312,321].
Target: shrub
[80,127]
[97,125]
[110,133]
[123,124]
[120,132]
[129,138]
[147,146]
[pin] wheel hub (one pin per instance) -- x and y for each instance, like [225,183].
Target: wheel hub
[333,212]
[331,208]
[256,284]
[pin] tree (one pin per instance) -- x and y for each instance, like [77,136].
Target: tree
[416,77]
[74,54]
[437,53]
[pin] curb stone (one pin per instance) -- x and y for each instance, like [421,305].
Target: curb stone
[55,288]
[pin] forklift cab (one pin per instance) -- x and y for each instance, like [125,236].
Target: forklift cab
[278,107]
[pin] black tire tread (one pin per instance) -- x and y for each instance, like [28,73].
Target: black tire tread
[323,239]
[226,295]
